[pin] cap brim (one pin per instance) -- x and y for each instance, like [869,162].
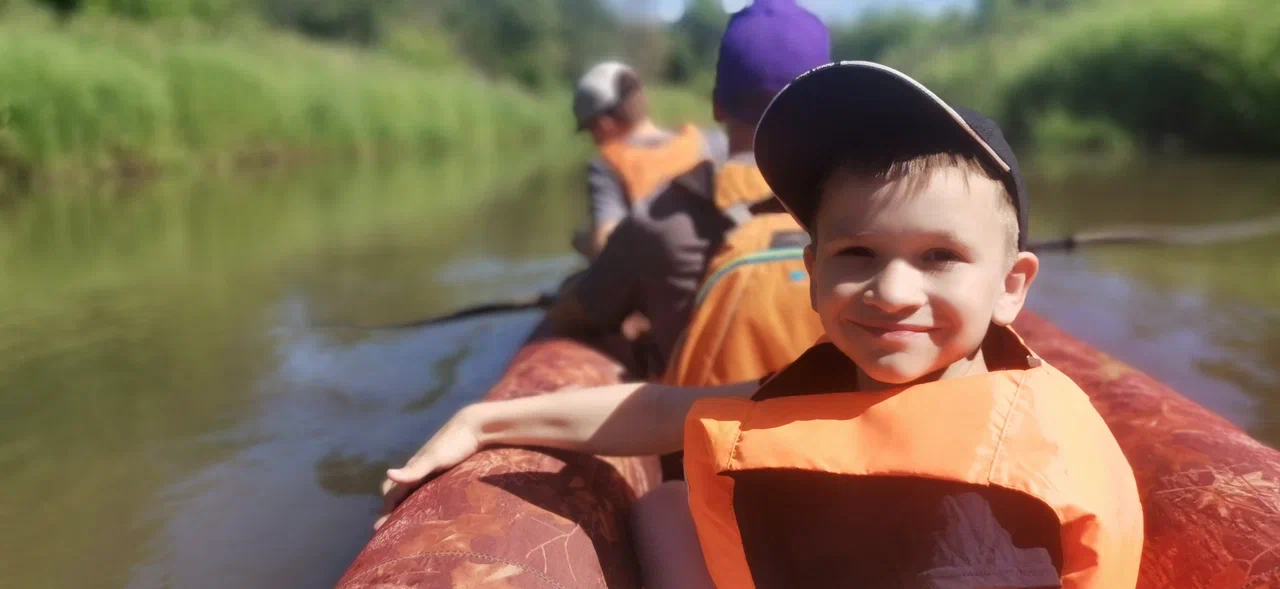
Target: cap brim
[835,109]
[584,122]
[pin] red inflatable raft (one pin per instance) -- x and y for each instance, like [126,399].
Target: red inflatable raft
[514,518]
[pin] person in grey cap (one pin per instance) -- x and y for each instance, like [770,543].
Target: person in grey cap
[636,157]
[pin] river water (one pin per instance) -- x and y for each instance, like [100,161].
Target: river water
[180,408]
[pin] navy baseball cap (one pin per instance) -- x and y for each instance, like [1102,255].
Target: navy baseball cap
[764,47]
[862,107]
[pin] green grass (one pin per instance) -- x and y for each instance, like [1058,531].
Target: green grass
[104,95]
[672,106]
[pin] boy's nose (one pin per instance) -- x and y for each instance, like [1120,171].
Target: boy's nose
[896,287]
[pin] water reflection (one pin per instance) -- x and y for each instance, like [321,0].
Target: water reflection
[167,404]
[294,507]
[1203,319]
[1168,334]
[349,474]
[1084,197]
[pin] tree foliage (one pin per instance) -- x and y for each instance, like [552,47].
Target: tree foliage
[1191,72]
[696,41]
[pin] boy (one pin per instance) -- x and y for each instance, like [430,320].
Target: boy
[921,444]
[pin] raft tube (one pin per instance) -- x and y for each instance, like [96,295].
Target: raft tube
[511,518]
[517,518]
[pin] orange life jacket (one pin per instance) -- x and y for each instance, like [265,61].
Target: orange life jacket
[1028,429]
[644,169]
[739,182]
[752,314]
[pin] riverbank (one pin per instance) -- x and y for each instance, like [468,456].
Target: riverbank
[108,97]
[101,98]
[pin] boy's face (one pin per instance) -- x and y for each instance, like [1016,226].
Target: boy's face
[908,274]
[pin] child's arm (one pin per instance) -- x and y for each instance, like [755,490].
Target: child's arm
[632,419]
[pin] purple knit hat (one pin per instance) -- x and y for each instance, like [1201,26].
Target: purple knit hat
[765,46]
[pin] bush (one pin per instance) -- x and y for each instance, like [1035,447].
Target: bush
[1196,74]
[1192,74]
[1060,131]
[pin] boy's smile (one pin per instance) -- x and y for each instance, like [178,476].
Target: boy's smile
[908,274]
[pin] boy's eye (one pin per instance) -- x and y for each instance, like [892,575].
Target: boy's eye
[857,252]
[941,256]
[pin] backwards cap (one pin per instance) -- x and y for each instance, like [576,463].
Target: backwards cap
[764,47]
[598,91]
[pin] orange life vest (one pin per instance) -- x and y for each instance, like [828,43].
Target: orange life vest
[739,182]
[643,169]
[1028,429]
[752,314]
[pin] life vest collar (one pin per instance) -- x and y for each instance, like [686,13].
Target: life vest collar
[976,408]
[1002,349]
[1023,426]
[644,169]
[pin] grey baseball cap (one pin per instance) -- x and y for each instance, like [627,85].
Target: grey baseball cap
[598,91]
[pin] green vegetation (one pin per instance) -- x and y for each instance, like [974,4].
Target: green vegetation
[125,87]
[111,88]
[101,94]
[1193,76]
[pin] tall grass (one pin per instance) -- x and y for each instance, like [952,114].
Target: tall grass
[105,95]
[672,106]
[1185,75]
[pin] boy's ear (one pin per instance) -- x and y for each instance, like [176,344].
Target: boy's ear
[809,257]
[1016,284]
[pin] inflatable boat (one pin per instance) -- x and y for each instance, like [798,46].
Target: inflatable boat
[519,518]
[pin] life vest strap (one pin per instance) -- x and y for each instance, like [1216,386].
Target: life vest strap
[760,257]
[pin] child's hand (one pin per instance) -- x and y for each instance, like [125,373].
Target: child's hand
[455,442]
